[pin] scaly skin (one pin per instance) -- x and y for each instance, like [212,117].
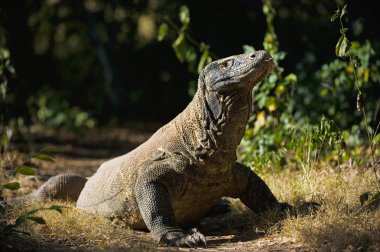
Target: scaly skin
[176,176]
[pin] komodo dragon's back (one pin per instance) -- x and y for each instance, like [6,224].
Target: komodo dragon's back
[175,177]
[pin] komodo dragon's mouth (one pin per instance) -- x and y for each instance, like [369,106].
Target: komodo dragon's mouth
[264,70]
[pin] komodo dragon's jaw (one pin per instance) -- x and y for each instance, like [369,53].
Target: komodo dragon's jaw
[239,71]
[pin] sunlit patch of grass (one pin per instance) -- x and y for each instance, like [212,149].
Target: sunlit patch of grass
[74,228]
[341,223]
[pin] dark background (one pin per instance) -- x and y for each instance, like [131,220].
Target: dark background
[103,56]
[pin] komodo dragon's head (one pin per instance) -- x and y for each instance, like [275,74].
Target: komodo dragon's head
[224,99]
[239,71]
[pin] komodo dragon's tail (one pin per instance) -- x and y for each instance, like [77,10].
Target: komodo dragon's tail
[60,187]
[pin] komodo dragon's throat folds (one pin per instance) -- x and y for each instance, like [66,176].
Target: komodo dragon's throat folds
[176,176]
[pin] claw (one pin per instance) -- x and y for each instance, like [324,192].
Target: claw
[199,237]
[194,239]
[203,239]
[187,242]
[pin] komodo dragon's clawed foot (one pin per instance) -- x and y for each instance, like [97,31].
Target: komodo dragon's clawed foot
[194,239]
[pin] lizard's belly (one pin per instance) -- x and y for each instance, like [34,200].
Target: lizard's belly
[197,199]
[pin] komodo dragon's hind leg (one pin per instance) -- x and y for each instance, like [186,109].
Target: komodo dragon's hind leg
[59,187]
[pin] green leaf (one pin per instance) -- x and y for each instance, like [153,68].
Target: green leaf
[44,157]
[184,15]
[271,103]
[12,185]
[337,47]
[342,47]
[25,170]
[248,49]
[343,11]
[376,139]
[20,220]
[291,78]
[56,208]
[324,92]
[203,47]
[203,61]
[333,17]
[179,46]
[190,54]
[37,219]
[162,31]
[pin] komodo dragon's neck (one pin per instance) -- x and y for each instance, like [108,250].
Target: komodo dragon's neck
[208,128]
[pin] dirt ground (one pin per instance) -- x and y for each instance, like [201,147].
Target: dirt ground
[83,153]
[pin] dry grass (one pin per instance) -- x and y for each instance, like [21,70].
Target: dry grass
[341,223]
[73,229]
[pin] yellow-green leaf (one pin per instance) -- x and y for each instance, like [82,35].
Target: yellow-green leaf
[324,92]
[37,219]
[248,49]
[342,47]
[177,44]
[44,157]
[376,139]
[162,31]
[25,170]
[291,77]
[271,103]
[203,61]
[12,185]
[184,15]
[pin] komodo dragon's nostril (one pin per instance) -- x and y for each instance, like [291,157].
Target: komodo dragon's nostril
[252,55]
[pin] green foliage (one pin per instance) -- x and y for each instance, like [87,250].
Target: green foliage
[309,143]
[196,54]
[27,170]
[11,186]
[6,69]
[50,109]
[8,229]
[343,46]
[162,31]
[270,126]
[277,132]
[338,83]
[372,200]
[285,129]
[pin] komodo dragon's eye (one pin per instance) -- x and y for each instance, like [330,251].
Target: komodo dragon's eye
[225,65]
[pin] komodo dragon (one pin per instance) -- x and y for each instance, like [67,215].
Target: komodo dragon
[176,176]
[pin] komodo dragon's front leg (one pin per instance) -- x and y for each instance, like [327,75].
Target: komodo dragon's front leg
[253,191]
[154,190]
